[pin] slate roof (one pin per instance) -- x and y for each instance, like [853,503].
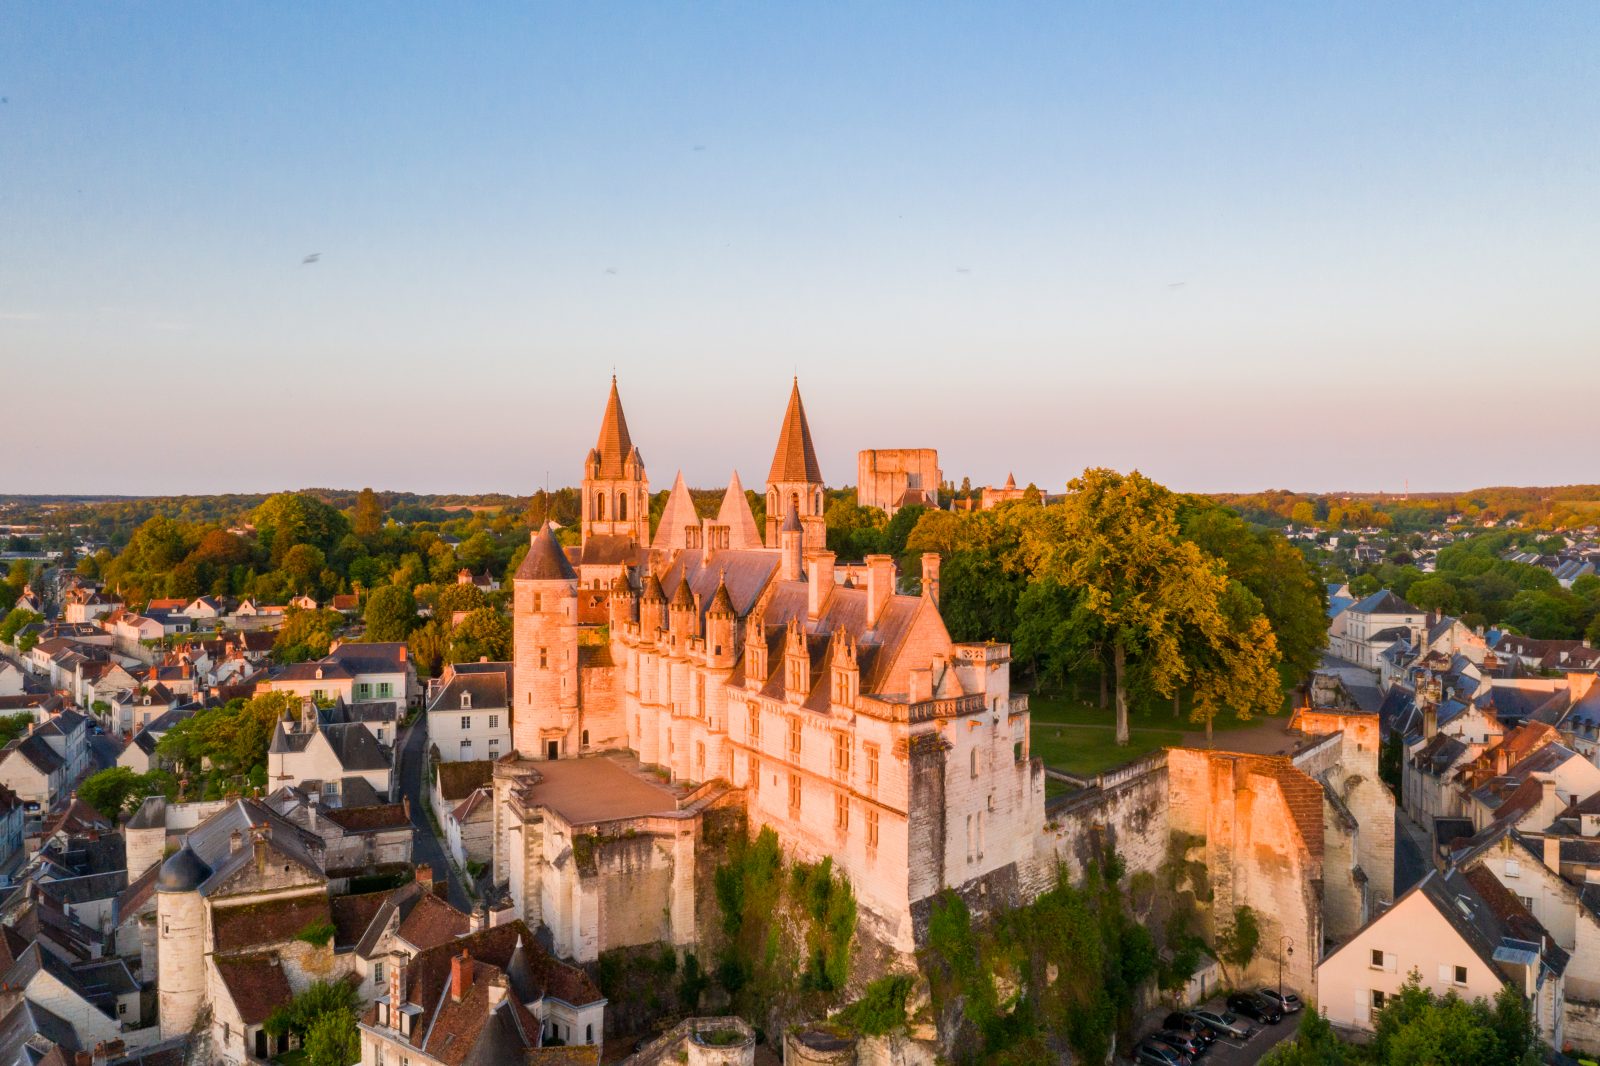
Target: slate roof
[36,751]
[486,691]
[25,1026]
[545,560]
[374,819]
[212,841]
[1383,602]
[353,744]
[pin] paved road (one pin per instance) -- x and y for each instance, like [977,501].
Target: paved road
[426,848]
[1412,858]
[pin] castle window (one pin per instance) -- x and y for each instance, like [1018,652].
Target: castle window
[585,738]
[538,601]
[871,751]
[841,811]
[622,507]
[377,973]
[841,754]
[755,724]
[975,761]
[599,507]
[700,759]
[544,658]
[755,775]
[794,794]
[872,828]
[794,736]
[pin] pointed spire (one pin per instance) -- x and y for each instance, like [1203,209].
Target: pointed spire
[546,559]
[683,597]
[721,602]
[735,513]
[1011,481]
[678,516]
[795,459]
[614,445]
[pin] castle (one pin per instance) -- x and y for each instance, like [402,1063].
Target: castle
[750,671]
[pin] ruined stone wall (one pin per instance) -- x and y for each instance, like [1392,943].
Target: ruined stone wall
[1128,815]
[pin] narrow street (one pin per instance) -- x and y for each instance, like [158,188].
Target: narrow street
[427,848]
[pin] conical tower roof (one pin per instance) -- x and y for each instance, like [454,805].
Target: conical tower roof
[546,560]
[614,444]
[683,597]
[795,459]
[678,515]
[735,513]
[721,602]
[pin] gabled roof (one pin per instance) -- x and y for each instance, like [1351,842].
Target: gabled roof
[795,459]
[484,690]
[458,780]
[256,983]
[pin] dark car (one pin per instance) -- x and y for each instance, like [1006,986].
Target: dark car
[1253,1006]
[1155,1053]
[1192,1046]
[1226,1024]
[1188,1022]
[1287,1002]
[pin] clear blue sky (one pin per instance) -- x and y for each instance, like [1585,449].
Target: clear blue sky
[1315,246]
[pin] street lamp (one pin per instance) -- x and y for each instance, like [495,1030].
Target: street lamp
[1285,945]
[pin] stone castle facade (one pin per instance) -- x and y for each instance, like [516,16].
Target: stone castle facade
[750,672]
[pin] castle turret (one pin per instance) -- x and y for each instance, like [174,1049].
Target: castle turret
[180,932]
[624,605]
[683,615]
[791,544]
[616,492]
[794,484]
[545,609]
[721,628]
[652,608]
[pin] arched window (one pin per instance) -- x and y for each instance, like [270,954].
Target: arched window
[599,507]
[819,503]
[586,738]
[622,507]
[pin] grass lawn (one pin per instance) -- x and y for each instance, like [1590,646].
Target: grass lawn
[1080,738]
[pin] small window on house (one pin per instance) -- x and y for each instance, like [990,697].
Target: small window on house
[122,1008]
[466,701]
[1461,975]
[377,972]
[494,721]
[466,721]
[1377,959]
[1378,1000]
[588,1030]
[585,738]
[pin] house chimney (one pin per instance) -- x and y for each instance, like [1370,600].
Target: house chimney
[425,876]
[930,576]
[258,845]
[819,583]
[402,653]
[497,990]
[460,976]
[1502,760]
[235,841]
[478,920]
[880,585]
[1552,854]
[397,988]
[1549,800]
[311,816]
[1430,721]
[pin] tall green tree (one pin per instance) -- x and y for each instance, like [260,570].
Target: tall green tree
[368,519]
[391,613]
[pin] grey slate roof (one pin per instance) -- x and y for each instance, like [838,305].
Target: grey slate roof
[545,560]
[1383,602]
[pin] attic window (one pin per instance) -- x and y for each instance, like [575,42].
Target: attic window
[466,701]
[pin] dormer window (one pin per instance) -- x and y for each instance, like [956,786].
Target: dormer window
[466,701]
[319,673]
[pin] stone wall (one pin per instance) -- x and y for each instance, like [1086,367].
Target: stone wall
[1124,810]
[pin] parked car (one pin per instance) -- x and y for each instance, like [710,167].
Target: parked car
[1226,1023]
[1253,1006]
[1191,1046]
[1155,1053]
[1184,1021]
[1287,1002]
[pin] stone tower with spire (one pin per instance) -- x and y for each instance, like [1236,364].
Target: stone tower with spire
[616,492]
[794,484]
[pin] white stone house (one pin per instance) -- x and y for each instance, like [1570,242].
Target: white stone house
[1459,931]
[307,750]
[31,768]
[469,715]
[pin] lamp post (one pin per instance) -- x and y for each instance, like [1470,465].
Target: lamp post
[1285,944]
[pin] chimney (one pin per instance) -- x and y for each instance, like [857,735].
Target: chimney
[880,585]
[425,876]
[478,920]
[460,976]
[497,991]
[1552,854]
[1430,721]
[235,841]
[402,653]
[921,685]
[397,988]
[1550,804]
[819,583]
[930,576]
[311,816]
[258,845]
[333,646]
[790,542]
[1502,760]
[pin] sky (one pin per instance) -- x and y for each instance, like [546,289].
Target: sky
[1236,246]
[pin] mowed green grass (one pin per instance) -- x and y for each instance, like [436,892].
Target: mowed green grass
[1080,738]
